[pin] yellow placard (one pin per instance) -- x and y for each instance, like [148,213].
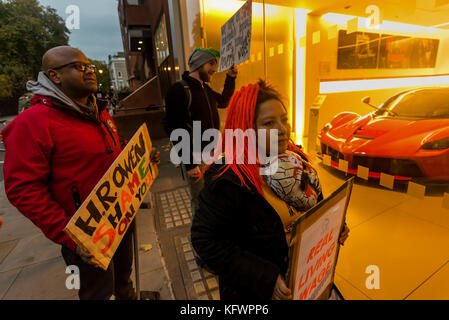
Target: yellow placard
[100,223]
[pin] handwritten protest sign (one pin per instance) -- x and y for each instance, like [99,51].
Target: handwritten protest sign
[314,246]
[102,220]
[236,38]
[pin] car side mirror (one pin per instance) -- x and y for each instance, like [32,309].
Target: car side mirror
[366,100]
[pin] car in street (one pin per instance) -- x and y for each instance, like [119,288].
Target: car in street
[407,136]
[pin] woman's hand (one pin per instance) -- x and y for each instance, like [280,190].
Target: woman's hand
[281,292]
[155,156]
[343,235]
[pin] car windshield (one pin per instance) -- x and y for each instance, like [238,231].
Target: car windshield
[432,103]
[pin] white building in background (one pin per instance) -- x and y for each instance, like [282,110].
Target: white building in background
[117,71]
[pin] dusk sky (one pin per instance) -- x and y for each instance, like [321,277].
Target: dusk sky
[99,33]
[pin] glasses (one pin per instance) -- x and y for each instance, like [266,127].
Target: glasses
[78,66]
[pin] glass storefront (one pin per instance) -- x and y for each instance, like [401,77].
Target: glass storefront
[272,54]
[298,53]
[341,57]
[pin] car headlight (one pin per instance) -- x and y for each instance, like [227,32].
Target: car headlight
[327,127]
[437,144]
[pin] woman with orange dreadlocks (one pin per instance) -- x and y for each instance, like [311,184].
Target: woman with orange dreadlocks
[241,228]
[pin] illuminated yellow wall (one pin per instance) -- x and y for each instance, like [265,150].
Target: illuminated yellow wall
[217,13]
[274,56]
[300,73]
[278,52]
[290,59]
[191,25]
[279,24]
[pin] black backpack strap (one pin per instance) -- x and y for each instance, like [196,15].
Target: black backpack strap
[188,94]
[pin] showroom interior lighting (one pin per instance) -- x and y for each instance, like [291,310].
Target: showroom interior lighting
[300,32]
[222,8]
[441,25]
[386,26]
[327,87]
[390,27]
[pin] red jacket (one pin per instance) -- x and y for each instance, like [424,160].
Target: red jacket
[54,156]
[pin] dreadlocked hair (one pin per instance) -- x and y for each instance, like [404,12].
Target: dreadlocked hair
[242,112]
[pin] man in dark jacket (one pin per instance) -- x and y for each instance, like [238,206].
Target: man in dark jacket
[239,236]
[56,152]
[193,100]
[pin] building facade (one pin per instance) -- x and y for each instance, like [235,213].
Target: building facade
[118,71]
[148,51]
[297,46]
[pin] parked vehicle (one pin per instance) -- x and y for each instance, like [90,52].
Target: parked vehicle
[407,137]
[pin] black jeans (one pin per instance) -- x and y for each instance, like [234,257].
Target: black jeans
[98,284]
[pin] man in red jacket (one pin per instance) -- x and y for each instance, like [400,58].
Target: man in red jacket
[56,152]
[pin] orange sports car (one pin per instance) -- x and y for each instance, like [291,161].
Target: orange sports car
[407,137]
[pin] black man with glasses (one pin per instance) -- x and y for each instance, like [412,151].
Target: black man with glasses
[56,152]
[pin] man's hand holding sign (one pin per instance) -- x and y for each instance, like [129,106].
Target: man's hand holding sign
[102,220]
[236,39]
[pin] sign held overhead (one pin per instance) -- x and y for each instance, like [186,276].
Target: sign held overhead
[236,38]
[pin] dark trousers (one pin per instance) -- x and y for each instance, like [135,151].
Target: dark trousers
[195,188]
[98,284]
